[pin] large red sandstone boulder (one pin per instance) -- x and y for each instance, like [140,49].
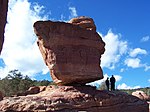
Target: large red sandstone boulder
[3,16]
[75,99]
[72,50]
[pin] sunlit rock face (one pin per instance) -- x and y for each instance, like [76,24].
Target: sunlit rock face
[74,99]
[84,22]
[141,95]
[71,50]
[3,16]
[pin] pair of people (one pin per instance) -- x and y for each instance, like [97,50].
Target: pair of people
[112,83]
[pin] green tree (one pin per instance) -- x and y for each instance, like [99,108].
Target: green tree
[25,83]
[5,86]
[15,82]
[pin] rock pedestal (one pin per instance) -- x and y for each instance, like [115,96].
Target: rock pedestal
[72,50]
[74,99]
[3,16]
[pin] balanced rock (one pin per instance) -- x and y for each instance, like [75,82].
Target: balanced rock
[3,16]
[72,50]
[74,99]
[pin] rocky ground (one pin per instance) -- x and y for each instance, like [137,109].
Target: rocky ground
[74,99]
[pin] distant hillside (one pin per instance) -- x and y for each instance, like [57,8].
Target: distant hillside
[129,91]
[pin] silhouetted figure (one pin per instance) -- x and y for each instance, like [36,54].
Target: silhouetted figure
[112,82]
[107,83]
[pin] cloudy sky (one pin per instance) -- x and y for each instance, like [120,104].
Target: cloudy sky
[123,25]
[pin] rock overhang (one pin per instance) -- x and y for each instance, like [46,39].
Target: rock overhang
[71,50]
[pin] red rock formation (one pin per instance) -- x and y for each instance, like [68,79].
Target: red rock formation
[84,22]
[32,90]
[72,50]
[3,16]
[141,95]
[75,99]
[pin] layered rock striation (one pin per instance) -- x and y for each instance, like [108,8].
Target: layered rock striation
[72,50]
[74,99]
[3,17]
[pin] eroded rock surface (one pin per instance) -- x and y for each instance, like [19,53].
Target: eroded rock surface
[84,22]
[3,16]
[32,90]
[141,95]
[75,99]
[72,50]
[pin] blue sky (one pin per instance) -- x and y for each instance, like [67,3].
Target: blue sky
[123,25]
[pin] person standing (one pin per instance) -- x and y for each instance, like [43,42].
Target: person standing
[112,82]
[107,83]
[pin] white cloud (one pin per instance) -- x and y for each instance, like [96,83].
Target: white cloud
[137,51]
[38,9]
[4,72]
[124,86]
[117,77]
[73,12]
[146,67]
[123,46]
[98,82]
[149,80]
[62,17]
[136,63]
[20,50]
[122,70]
[145,39]
[133,62]
[115,48]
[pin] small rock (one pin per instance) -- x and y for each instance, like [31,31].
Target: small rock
[33,90]
[141,95]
